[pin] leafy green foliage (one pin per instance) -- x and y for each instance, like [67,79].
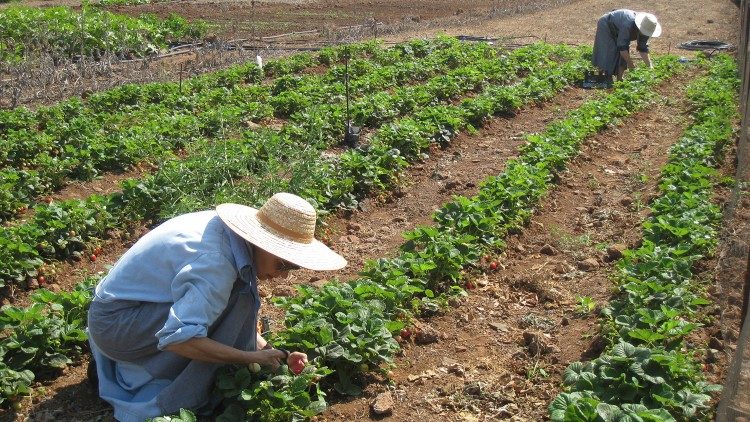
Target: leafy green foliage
[340,328]
[266,396]
[183,416]
[647,373]
[652,377]
[56,231]
[585,305]
[63,32]
[41,338]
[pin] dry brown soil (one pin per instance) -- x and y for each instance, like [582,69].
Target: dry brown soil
[481,368]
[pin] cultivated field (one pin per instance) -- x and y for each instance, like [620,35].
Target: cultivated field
[519,248]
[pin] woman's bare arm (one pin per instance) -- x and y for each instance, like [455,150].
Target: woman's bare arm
[207,350]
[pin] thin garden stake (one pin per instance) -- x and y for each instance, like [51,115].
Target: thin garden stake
[351,133]
[346,87]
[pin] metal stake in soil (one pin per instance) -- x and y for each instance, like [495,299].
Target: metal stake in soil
[351,133]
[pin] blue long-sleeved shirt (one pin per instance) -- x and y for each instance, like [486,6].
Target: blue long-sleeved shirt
[191,261]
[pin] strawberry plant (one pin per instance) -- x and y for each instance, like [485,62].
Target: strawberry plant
[13,383]
[641,379]
[41,339]
[271,396]
[331,324]
[184,416]
[440,256]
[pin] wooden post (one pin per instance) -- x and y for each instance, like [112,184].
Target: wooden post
[252,17]
[743,49]
[745,294]
[733,405]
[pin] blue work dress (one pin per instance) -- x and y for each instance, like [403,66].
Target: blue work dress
[190,277]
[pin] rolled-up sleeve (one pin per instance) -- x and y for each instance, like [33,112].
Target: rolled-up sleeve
[200,292]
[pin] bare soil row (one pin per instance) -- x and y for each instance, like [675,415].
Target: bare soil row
[501,352]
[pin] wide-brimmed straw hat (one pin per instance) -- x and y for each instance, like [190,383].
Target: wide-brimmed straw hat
[284,226]
[647,24]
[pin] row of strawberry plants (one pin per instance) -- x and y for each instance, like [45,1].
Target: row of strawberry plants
[65,33]
[527,92]
[350,326]
[58,230]
[317,104]
[80,139]
[297,93]
[132,97]
[649,371]
[42,338]
[202,92]
[263,156]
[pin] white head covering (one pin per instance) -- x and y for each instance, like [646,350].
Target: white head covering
[647,24]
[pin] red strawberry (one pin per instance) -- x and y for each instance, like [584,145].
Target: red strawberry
[297,365]
[405,333]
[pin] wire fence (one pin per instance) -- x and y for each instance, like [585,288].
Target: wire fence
[44,77]
[733,272]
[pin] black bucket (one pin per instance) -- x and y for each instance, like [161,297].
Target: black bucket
[351,137]
[596,81]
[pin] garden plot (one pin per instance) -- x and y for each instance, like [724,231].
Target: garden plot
[526,186]
[482,365]
[71,214]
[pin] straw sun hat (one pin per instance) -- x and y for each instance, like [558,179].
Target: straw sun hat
[647,24]
[284,226]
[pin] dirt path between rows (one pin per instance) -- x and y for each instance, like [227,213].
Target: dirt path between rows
[485,367]
[375,231]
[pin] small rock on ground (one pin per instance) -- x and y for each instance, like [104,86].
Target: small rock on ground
[283,291]
[615,252]
[548,250]
[383,404]
[426,336]
[588,264]
[538,343]
[498,326]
